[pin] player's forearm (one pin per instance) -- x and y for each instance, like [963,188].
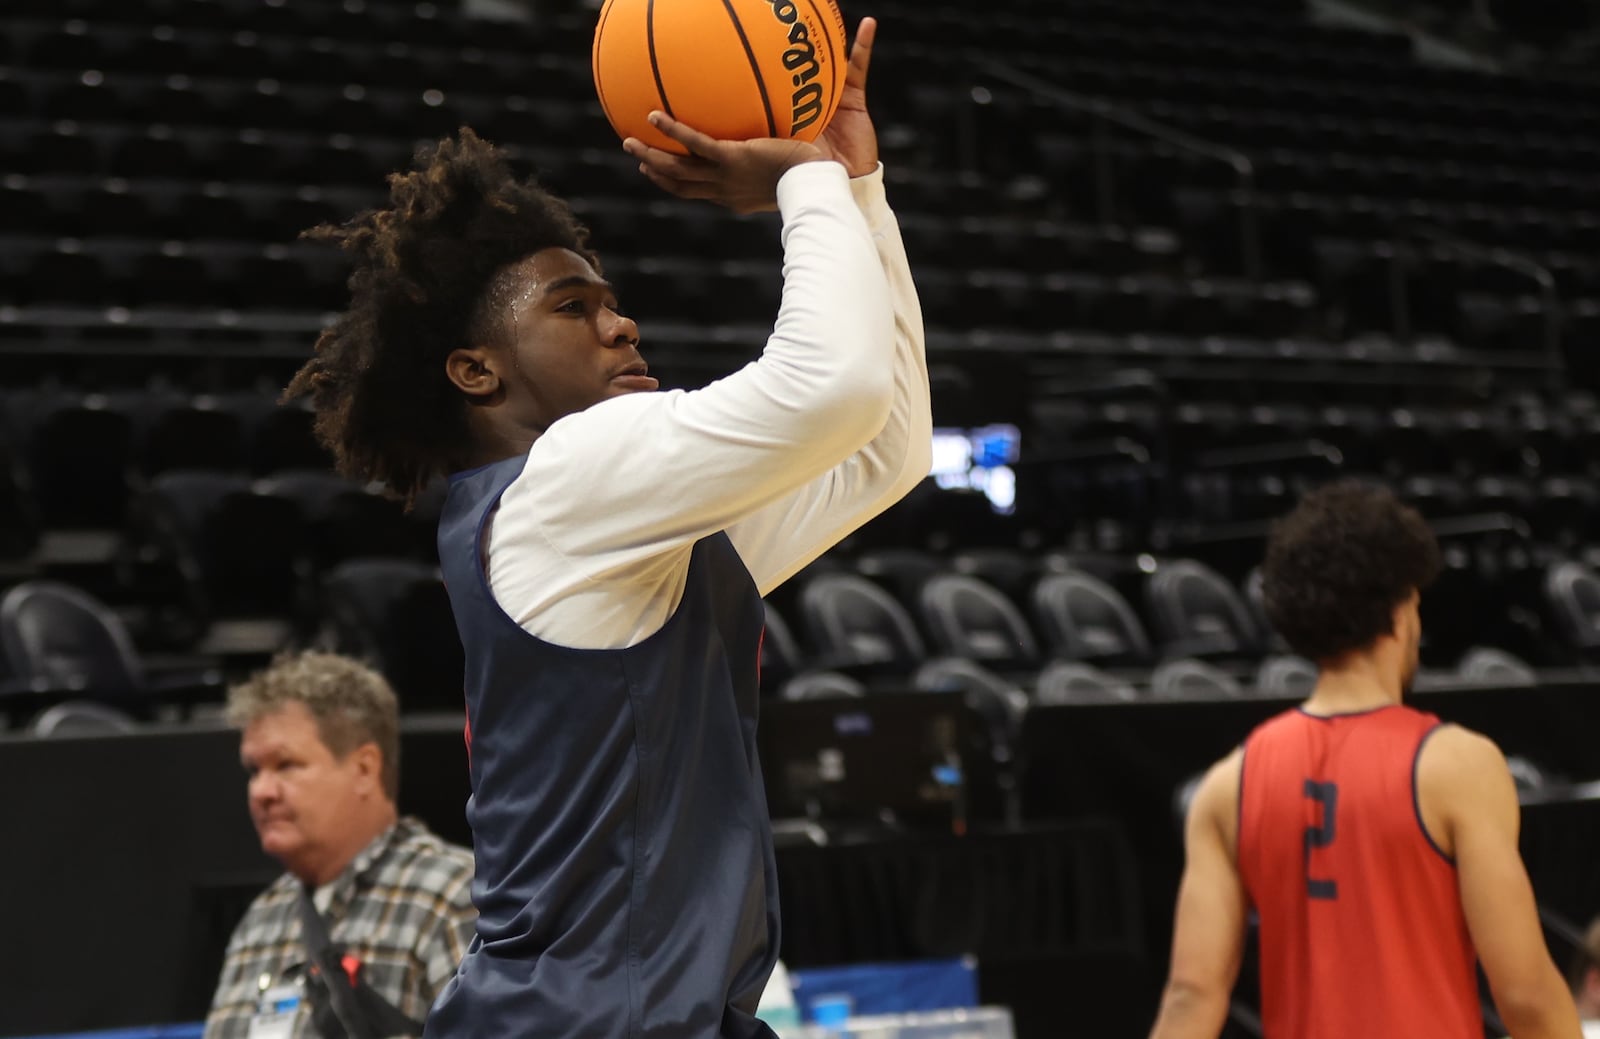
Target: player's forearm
[908,432]
[1542,1010]
[905,444]
[826,369]
[1190,1012]
[899,457]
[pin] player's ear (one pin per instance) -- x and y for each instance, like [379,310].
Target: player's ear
[472,370]
[1404,616]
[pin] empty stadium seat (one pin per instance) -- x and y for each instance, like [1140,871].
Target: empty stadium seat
[342,519]
[79,451]
[197,433]
[998,701]
[970,618]
[1009,571]
[58,636]
[1085,619]
[396,615]
[281,438]
[226,554]
[1526,774]
[1496,667]
[1572,595]
[903,571]
[820,685]
[1196,612]
[1286,676]
[20,523]
[1193,680]
[77,718]
[1071,682]
[57,639]
[853,622]
[1256,600]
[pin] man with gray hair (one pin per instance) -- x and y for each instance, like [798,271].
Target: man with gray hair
[374,912]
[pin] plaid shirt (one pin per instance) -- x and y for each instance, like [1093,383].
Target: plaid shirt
[403,907]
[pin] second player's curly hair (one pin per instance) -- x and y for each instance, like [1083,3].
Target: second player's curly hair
[1338,565]
[423,267]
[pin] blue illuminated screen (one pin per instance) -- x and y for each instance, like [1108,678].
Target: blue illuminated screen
[979,459]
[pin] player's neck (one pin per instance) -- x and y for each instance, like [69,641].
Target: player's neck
[494,435]
[498,445]
[1356,683]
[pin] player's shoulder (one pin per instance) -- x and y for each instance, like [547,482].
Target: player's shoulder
[1217,795]
[1455,760]
[551,478]
[1454,747]
[594,434]
[607,419]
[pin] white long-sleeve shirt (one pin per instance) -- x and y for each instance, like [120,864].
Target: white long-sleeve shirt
[590,544]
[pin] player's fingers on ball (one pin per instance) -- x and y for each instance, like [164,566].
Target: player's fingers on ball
[660,180]
[637,148]
[646,153]
[692,139]
[692,189]
[861,53]
[697,189]
[681,167]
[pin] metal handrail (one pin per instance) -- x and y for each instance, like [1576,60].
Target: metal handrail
[1481,523]
[1253,530]
[1273,455]
[1495,256]
[1117,449]
[1106,112]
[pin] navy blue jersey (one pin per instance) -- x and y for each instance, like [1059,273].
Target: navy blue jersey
[625,879]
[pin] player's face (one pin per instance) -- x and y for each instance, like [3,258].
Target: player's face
[570,348]
[302,797]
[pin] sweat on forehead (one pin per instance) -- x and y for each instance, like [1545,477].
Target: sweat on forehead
[519,285]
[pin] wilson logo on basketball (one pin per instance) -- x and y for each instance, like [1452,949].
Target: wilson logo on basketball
[800,58]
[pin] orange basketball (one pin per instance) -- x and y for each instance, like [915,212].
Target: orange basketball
[734,69]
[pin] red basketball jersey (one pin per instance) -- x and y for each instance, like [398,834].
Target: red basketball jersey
[1361,927]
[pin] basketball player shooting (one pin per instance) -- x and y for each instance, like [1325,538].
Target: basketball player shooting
[606,549]
[1377,846]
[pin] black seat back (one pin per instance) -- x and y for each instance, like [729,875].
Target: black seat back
[56,635]
[1084,618]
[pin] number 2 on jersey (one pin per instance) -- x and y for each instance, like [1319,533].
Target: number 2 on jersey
[1320,836]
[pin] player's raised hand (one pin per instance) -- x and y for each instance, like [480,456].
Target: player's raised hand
[742,175]
[850,137]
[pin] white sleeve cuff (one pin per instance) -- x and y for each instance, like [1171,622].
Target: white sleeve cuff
[804,182]
[867,190]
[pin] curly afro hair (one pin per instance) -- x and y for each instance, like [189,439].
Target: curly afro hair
[1339,564]
[423,269]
